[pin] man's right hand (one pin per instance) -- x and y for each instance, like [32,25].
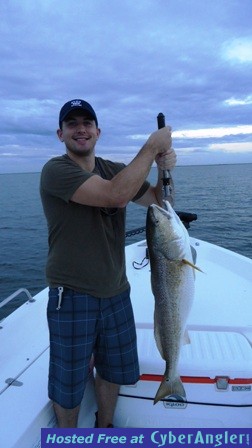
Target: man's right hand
[160,141]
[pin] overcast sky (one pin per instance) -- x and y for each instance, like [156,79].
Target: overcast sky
[131,59]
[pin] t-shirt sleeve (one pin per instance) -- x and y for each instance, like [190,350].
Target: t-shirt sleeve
[142,190]
[61,178]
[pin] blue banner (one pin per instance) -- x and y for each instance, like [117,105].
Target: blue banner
[147,438]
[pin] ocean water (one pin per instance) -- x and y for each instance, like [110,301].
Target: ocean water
[219,194]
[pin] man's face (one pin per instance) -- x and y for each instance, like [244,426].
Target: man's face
[79,133]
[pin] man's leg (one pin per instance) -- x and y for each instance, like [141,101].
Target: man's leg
[67,418]
[115,354]
[106,394]
[70,351]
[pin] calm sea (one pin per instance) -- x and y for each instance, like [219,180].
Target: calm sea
[220,196]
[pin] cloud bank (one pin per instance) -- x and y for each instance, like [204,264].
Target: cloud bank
[190,60]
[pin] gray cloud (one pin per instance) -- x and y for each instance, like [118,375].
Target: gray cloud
[186,59]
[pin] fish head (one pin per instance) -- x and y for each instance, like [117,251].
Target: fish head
[166,233]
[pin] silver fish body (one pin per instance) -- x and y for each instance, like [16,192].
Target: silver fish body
[172,281]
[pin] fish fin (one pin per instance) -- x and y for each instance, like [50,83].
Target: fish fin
[168,387]
[186,338]
[191,264]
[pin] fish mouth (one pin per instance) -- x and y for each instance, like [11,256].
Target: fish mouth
[154,210]
[165,229]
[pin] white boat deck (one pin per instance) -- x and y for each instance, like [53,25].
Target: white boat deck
[24,338]
[209,354]
[220,330]
[223,293]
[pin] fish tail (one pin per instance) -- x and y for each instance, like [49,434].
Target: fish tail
[168,387]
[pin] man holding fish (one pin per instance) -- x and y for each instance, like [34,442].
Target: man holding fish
[89,309]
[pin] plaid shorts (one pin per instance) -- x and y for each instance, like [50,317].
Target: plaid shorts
[86,325]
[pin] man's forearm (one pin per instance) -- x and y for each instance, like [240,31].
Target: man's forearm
[127,182]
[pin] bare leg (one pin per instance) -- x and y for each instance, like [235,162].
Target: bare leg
[67,418]
[106,394]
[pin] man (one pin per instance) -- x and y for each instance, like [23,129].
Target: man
[89,309]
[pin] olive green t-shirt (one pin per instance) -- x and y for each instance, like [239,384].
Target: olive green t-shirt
[86,244]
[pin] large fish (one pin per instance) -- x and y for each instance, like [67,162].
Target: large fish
[172,281]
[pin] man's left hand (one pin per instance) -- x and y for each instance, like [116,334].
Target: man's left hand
[166,160]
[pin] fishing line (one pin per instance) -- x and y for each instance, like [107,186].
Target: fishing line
[142,264]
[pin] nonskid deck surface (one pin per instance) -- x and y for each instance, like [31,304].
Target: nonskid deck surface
[209,354]
[23,338]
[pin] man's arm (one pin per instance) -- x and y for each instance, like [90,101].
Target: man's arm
[118,191]
[155,194]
